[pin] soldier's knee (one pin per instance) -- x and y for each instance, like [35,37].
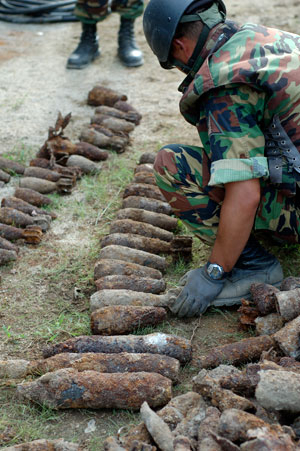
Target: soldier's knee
[165,159]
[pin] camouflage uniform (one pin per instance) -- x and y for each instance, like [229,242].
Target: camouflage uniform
[93,11]
[245,102]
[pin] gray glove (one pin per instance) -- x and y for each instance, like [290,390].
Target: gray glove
[199,292]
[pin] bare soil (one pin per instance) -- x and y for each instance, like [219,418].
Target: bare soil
[37,291]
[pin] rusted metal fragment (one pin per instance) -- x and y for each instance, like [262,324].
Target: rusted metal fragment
[33,197]
[235,353]
[143,190]
[268,441]
[45,445]
[241,383]
[288,303]
[279,390]
[181,247]
[116,252]
[39,185]
[158,429]
[93,136]
[4,176]
[134,283]
[289,362]
[25,207]
[140,228]
[130,116]
[72,173]
[287,338]
[121,362]
[105,298]
[70,389]
[147,157]
[11,216]
[221,398]
[106,267]
[209,424]
[11,166]
[101,95]
[113,123]
[124,106]
[235,424]
[290,283]
[156,343]
[121,319]
[224,443]
[160,220]
[145,177]
[263,297]
[112,444]
[7,256]
[90,151]
[269,324]
[87,166]
[136,445]
[145,203]
[46,174]
[33,234]
[151,245]
[139,433]
[247,314]
[6,244]
[147,167]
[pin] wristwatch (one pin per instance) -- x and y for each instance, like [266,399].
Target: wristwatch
[215,271]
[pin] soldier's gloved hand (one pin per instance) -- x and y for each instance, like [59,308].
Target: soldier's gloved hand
[198,293]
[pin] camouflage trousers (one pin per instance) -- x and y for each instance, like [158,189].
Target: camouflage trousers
[93,11]
[181,179]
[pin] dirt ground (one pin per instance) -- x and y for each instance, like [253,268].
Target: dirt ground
[37,291]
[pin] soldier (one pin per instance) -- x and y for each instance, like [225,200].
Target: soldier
[89,12]
[242,92]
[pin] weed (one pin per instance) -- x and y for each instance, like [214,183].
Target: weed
[65,325]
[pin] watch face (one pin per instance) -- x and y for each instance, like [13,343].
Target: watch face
[215,271]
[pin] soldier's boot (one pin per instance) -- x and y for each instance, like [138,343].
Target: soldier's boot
[128,51]
[255,265]
[87,49]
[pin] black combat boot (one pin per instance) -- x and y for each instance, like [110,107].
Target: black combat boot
[87,49]
[128,51]
[255,265]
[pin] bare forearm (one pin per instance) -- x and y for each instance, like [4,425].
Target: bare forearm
[236,222]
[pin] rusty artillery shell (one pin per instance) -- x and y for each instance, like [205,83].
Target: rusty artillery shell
[140,228]
[160,220]
[158,429]
[287,338]
[11,233]
[144,284]
[147,167]
[128,254]
[147,157]
[158,206]
[144,177]
[113,123]
[10,216]
[151,245]
[107,267]
[5,244]
[263,297]
[32,196]
[11,166]
[269,324]
[143,190]
[70,389]
[120,319]
[101,95]
[4,176]
[122,105]
[105,298]
[288,303]
[7,256]
[25,207]
[130,116]
[41,173]
[157,343]
[122,362]
[87,166]
[90,151]
[98,139]
[235,353]
[32,234]
[40,185]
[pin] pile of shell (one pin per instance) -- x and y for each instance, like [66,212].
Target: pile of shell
[255,408]
[45,445]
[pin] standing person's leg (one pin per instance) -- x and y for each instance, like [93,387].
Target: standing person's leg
[128,50]
[89,12]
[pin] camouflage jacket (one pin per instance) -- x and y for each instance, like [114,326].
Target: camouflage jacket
[250,75]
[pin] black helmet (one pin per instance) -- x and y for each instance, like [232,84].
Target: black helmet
[162,17]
